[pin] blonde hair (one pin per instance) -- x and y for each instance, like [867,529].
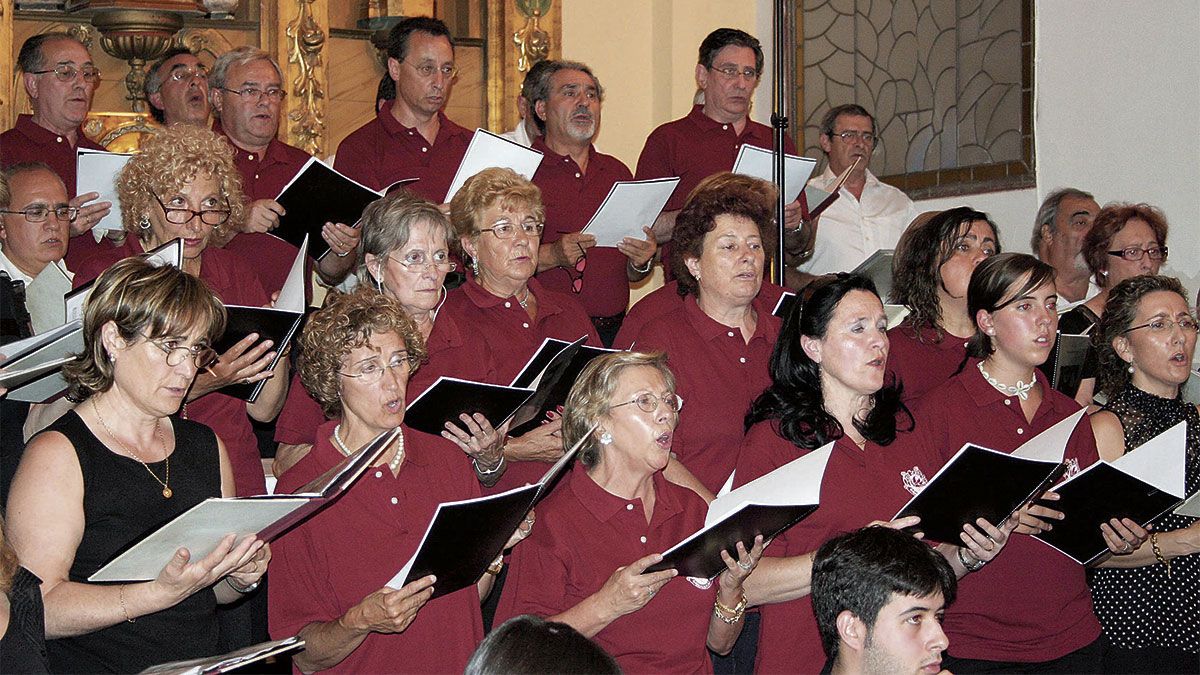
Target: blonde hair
[488,188]
[168,160]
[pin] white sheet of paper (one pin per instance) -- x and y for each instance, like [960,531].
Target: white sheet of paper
[759,163]
[53,345]
[1191,507]
[1159,461]
[97,171]
[629,206]
[44,298]
[170,253]
[488,150]
[1051,444]
[291,296]
[797,482]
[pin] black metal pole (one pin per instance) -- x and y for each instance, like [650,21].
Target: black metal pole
[779,123]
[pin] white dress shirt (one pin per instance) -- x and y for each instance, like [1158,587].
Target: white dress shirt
[851,229]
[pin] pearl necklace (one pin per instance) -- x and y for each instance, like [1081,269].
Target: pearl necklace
[524,302]
[1020,389]
[394,465]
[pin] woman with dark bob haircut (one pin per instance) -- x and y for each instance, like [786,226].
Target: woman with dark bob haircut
[1126,240]
[120,465]
[331,575]
[1029,608]
[608,518]
[1148,606]
[933,265]
[828,386]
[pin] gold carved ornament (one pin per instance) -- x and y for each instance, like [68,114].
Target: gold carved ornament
[533,43]
[305,40]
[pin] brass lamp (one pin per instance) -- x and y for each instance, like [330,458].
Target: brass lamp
[137,36]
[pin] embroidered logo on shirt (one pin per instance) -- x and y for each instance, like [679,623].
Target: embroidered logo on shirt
[1072,467]
[700,582]
[914,480]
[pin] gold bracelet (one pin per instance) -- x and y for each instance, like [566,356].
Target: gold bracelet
[121,599]
[496,566]
[730,615]
[1158,554]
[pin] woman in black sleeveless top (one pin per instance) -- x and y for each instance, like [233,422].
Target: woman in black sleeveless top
[120,465]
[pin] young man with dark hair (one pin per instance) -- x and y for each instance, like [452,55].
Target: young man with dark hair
[878,595]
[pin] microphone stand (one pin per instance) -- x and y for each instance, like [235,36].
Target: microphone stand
[779,124]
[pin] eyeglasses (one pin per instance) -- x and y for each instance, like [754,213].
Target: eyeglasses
[580,266]
[503,229]
[649,402]
[1135,253]
[187,74]
[418,261]
[731,72]
[179,216]
[867,137]
[426,70]
[372,371]
[67,73]
[1186,324]
[254,94]
[38,213]
[202,355]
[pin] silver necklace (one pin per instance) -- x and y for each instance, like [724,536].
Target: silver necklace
[524,302]
[1020,389]
[394,465]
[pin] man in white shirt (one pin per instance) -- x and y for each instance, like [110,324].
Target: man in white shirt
[869,215]
[35,220]
[529,126]
[1063,221]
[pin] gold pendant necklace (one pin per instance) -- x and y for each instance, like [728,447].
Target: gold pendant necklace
[166,490]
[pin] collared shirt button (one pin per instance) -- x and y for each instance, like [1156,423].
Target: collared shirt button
[742,359]
[255,176]
[1020,431]
[730,334]
[424,149]
[642,539]
[410,133]
[1008,401]
[724,127]
[379,474]
[577,174]
[395,501]
[629,507]
[525,325]
[59,139]
[250,157]
[507,305]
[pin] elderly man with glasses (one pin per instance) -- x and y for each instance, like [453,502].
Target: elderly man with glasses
[59,78]
[412,137]
[869,215]
[178,88]
[246,90]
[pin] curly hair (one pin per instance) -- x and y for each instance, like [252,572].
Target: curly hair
[345,323]
[488,188]
[1109,222]
[994,284]
[719,195]
[925,246]
[143,300]
[387,224]
[589,399]
[795,400]
[1119,313]
[168,160]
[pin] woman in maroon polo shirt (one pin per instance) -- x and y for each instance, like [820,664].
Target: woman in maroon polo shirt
[828,386]
[498,219]
[405,255]
[1030,608]
[610,519]
[719,339]
[934,261]
[329,579]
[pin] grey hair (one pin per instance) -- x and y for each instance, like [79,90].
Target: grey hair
[540,91]
[852,109]
[1048,212]
[30,58]
[387,224]
[237,57]
[12,171]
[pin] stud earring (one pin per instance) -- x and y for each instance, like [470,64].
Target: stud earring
[605,438]
[1131,368]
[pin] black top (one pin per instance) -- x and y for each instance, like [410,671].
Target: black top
[1142,606]
[23,647]
[1079,321]
[122,504]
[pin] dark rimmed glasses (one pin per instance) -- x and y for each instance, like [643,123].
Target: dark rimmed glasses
[180,216]
[1136,253]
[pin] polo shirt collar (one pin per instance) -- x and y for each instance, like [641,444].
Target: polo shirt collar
[539,144]
[395,129]
[477,294]
[710,329]
[604,505]
[41,135]
[272,155]
[446,333]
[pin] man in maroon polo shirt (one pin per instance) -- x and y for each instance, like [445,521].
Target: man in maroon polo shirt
[707,139]
[177,89]
[412,138]
[246,91]
[59,78]
[575,179]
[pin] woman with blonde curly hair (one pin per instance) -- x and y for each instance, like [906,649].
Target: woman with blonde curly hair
[183,185]
[119,466]
[329,581]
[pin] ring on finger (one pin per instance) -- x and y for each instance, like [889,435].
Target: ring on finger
[746,566]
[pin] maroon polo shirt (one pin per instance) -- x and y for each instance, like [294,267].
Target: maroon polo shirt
[1031,603]
[665,299]
[384,151]
[859,486]
[353,547]
[264,175]
[502,325]
[582,536]
[28,142]
[232,280]
[450,355]
[718,375]
[571,197]
[922,360]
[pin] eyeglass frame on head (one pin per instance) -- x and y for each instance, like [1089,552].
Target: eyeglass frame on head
[1168,325]
[658,400]
[254,94]
[369,378]
[1141,253]
[196,351]
[167,210]
[525,228]
[72,211]
[66,72]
